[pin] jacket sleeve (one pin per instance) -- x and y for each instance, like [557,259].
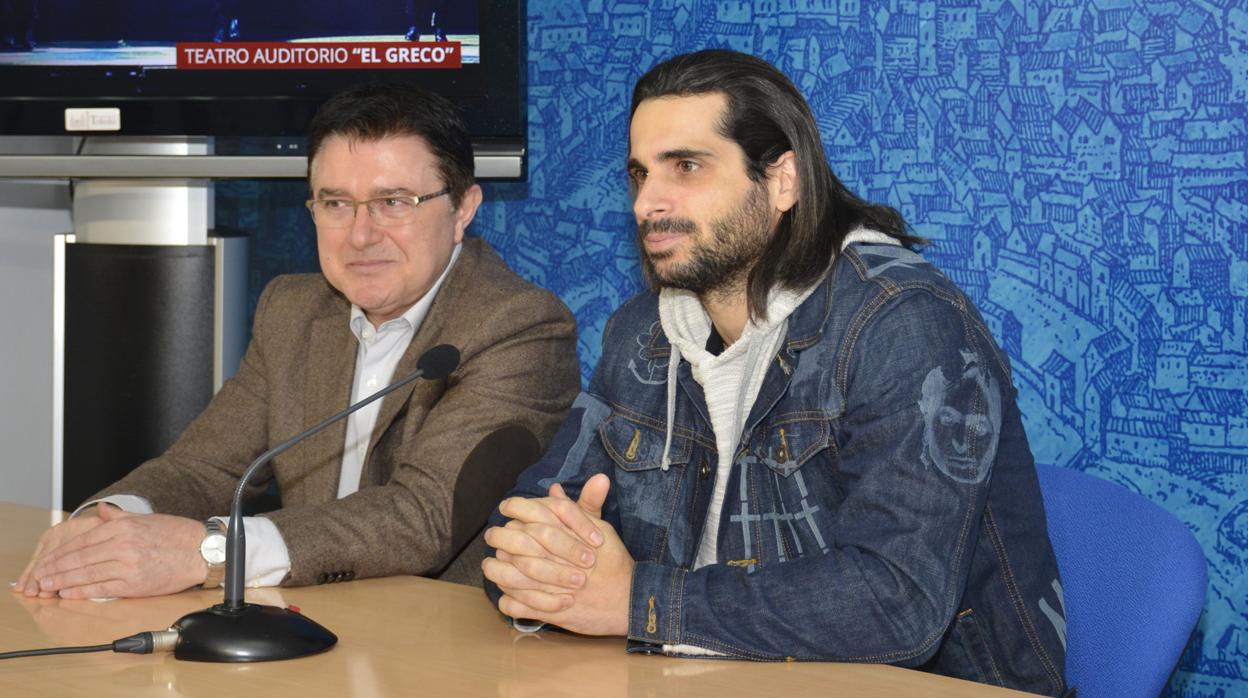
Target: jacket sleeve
[196,476]
[526,374]
[914,450]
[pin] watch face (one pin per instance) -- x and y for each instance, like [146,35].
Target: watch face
[213,549]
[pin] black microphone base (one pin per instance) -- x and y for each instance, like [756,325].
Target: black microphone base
[253,633]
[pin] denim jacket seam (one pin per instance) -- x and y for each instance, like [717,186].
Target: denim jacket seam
[676,600]
[970,652]
[797,416]
[661,534]
[786,547]
[647,421]
[1020,605]
[724,648]
[959,551]
[756,530]
[890,292]
[825,430]
[997,357]
[680,454]
[659,546]
[979,406]
[850,340]
[799,344]
[968,518]
[860,267]
[606,330]
[888,657]
[992,660]
[825,437]
[829,282]
[635,613]
[834,462]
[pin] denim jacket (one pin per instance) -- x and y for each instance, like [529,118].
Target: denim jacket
[882,506]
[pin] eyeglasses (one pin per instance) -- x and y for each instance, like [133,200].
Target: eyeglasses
[383,210]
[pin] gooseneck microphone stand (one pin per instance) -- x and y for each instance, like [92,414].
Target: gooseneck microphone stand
[236,631]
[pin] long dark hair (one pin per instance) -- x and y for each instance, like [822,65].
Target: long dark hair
[371,112]
[767,116]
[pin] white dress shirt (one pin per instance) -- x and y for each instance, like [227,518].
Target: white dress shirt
[378,353]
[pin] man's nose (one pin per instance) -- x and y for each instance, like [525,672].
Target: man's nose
[652,201]
[364,231]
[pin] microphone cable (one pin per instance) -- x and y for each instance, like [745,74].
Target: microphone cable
[140,643]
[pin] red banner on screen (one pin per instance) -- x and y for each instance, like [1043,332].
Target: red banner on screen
[257,55]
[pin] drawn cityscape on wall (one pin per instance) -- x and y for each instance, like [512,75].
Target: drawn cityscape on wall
[1080,166]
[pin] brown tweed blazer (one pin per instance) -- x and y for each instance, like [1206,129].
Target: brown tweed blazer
[418,506]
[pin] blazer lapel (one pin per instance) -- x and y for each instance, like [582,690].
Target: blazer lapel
[454,290]
[394,402]
[327,390]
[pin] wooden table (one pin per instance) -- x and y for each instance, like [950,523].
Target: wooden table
[400,636]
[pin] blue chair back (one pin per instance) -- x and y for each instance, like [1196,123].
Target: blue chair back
[1134,581]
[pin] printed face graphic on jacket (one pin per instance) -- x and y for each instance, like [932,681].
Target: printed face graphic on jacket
[962,421]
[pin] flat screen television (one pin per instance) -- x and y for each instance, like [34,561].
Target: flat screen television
[240,68]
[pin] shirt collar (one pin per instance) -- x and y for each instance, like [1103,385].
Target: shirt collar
[413,317]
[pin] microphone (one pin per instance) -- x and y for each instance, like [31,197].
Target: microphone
[236,631]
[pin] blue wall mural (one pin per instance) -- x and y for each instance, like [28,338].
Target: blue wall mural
[1080,167]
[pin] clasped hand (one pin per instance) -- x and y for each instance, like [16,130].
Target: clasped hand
[558,562]
[115,553]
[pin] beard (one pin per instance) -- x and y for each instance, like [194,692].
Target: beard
[716,264]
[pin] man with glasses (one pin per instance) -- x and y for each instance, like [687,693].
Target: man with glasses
[395,488]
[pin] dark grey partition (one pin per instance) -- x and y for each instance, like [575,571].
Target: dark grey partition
[138,355]
[141,342]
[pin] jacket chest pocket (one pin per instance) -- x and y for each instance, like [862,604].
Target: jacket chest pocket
[636,446]
[799,500]
[647,495]
[787,442]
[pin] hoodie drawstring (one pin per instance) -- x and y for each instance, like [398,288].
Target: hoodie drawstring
[673,365]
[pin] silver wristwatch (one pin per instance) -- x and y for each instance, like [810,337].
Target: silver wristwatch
[212,548]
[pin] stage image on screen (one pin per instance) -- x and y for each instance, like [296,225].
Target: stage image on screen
[148,33]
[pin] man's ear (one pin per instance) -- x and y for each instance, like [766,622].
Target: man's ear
[467,210]
[783,182]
